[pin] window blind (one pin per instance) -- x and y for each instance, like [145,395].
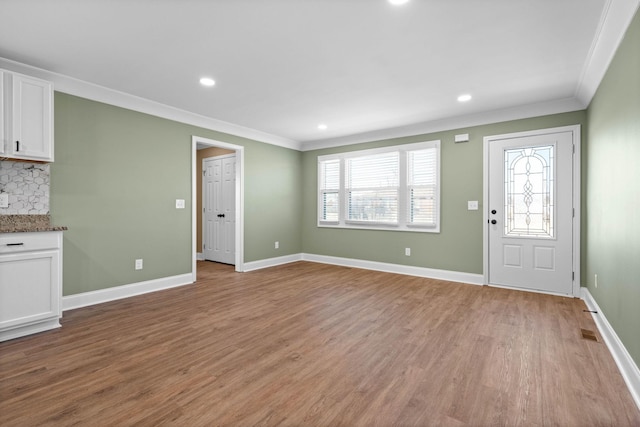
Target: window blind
[372,184]
[422,177]
[329,189]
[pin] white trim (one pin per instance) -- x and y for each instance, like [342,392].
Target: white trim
[452,123]
[271,262]
[199,256]
[614,22]
[202,142]
[613,25]
[109,96]
[32,328]
[575,130]
[403,189]
[84,299]
[431,273]
[628,368]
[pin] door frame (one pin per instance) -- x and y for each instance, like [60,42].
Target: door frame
[206,142]
[576,138]
[204,190]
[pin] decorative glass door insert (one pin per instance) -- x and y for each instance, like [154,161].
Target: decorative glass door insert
[529,192]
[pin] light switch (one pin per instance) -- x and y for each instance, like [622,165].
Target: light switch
[4,200]
[472,205]
[179,203]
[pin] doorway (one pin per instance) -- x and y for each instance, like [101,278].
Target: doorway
[200,143]
[531,197]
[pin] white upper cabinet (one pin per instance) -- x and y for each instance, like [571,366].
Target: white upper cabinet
[28,118]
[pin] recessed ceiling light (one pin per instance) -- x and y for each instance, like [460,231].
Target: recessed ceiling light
[322,126]
[207,81]
[398,2]
[464,98]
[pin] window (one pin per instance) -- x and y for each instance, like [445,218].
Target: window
[392,188]
[528,192]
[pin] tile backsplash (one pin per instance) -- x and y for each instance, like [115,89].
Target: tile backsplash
[28,187]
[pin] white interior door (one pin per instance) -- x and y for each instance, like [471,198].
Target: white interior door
[219,208]
[530,219]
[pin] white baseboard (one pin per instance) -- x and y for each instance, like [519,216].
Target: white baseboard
[32,328]
[271,262]
[118,292]
[626,364]
[431,273]
[199,256]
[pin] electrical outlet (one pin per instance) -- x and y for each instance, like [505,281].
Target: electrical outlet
[596,279]
[4,200]
[407,251]
[179,203]
[138,264]
[277,245]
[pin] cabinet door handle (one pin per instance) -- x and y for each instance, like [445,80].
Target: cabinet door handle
[17,145]
[15,244]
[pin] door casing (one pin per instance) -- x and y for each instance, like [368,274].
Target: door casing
[575,130]
[201,141]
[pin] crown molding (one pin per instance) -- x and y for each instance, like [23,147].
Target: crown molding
[459,122]
[94,92]
[614,22]
[612,28]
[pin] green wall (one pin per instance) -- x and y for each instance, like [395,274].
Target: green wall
[118,172]
[458,247]
[613,193]
[114,183]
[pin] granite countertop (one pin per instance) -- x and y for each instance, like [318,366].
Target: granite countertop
[27,223]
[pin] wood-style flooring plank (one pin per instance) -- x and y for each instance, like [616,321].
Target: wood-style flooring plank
[308,344]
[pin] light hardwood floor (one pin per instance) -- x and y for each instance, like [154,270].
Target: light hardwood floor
[314,345]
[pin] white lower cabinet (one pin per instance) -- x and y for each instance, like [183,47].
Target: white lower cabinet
[30,283]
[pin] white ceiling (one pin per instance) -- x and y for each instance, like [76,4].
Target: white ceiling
[364,67]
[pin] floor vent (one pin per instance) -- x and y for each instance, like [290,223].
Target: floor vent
[589,335]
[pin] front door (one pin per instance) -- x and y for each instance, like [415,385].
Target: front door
[530,211]
[219,208]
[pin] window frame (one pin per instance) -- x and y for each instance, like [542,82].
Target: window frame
[403,190]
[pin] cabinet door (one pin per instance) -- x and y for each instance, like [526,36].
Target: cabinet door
[29,288]
[31,119]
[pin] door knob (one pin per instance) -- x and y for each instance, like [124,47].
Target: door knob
[494,211]
[493,221]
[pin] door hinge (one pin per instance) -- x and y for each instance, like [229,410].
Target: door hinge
[574,148]
[573,275]
[574,212]
[204,173]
